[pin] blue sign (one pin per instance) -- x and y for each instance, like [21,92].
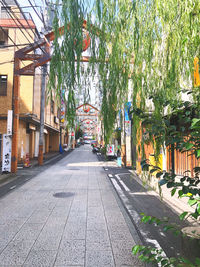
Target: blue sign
[127,108]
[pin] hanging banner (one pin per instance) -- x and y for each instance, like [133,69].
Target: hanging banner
[7,146]
[62,108]
[196,72]
[9,122]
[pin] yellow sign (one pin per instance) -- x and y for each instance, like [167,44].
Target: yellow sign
[196,72]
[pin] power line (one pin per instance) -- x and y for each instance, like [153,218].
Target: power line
[21,11]
[24,7]
[5,32]
[9,12]
[6,62]
[37,13]
[17,4]
[41,9]
[7,46]
[16,18]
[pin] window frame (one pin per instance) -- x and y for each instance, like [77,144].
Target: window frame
[3,42]
[3,92]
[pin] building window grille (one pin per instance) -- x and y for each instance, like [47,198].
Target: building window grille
[3,85]
[3,37]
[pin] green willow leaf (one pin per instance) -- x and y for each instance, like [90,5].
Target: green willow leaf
[183,215]
[173,191]
[135,249]
[192,202]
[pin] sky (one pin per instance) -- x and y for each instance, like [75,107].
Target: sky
[39,24]
[39,3]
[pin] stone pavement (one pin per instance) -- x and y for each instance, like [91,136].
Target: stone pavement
[6,177]
[68,215]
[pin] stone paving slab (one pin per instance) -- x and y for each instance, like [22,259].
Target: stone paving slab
[65,216]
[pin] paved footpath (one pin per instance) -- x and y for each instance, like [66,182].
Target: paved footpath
[68,215]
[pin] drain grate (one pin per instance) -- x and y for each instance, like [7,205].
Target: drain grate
[63,194]
[73,169]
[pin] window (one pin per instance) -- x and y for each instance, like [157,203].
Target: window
[3,37]
[5,12]
[52,106]
[3,85]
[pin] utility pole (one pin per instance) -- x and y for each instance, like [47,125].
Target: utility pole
[42,108]
[42,99]
[15,116]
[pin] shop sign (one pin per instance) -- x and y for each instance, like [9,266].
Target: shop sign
[7,146]
[62,109]
[127,108]
[110,151]
[196,72]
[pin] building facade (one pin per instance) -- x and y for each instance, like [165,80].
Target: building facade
[18,30]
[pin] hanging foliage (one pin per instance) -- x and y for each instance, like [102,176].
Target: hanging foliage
[153,43]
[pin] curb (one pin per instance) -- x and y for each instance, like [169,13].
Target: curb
[7,177]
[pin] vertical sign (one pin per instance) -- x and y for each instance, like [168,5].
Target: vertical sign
[196,72]
[127,108]
[62,108]
[9,122]
[128,128]
[6,162]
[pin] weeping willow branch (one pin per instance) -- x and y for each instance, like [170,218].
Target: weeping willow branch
[161,37]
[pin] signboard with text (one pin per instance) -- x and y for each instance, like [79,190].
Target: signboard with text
[110,151]
[9,122]
[7,146]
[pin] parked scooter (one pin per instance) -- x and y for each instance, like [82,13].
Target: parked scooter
[95,149]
